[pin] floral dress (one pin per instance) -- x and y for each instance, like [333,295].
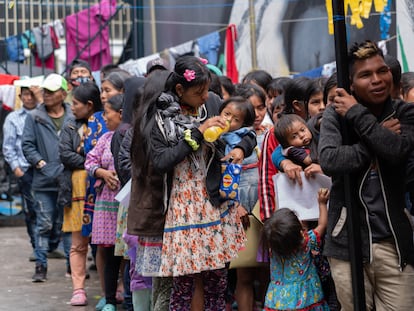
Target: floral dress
[295,284]
[106,207]
[197,235]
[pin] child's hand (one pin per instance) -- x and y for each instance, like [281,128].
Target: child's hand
[323,195]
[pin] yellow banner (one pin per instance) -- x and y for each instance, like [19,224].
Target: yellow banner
[358,9]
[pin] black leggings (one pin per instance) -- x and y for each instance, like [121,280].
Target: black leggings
[111,273]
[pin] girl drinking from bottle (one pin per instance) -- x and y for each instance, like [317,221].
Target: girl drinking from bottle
[201,231]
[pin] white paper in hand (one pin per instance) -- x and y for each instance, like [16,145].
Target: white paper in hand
[302,199]
[124,194]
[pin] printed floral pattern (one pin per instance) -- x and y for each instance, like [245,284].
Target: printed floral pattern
[197,236]
[106,207]
[295,284]
[149,256]
[121,248]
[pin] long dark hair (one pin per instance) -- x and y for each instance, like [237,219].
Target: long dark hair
[283,232]
[88,91]
[330,83]
[260,77]
[248,90]
[145,120]
[183,66]
[296,91]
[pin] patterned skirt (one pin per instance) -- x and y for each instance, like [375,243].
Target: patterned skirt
[148,259]
[104,218]
[72,216]
[197,235]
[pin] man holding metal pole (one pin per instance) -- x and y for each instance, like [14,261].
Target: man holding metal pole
[380,138]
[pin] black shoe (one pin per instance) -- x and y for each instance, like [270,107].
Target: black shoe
[40,274]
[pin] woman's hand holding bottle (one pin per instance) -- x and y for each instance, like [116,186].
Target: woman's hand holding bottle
[214,127]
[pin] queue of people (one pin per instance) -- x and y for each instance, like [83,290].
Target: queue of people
[74,147]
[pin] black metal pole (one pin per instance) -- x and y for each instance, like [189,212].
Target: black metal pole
[353,221]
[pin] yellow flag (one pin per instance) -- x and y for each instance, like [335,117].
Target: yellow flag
[358,9]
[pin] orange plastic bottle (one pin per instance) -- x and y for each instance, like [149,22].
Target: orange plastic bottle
[213,133]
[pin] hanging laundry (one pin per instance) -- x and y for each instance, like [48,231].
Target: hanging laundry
[186,48]
[85,25]
[6,79]
[231,66]
[44,43]
[15,48]
[138,67]
[8,95]
[50,61]
[28,40]
[58,28]
[209,46]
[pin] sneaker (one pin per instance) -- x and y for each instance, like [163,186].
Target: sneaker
[101,303]
[109,307]
[40,274]
[79,298]
[56,254]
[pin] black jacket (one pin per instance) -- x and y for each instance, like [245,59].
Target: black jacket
[124,157]
[68,144]
[370,142]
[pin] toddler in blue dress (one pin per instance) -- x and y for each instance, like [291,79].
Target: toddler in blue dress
[294,284]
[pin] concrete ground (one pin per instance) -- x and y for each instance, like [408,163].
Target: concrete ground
[17,292]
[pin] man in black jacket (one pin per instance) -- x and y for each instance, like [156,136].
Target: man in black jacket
[381,134]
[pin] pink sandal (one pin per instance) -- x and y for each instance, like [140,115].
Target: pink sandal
[79,298]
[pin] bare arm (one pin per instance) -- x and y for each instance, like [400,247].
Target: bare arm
[323,196]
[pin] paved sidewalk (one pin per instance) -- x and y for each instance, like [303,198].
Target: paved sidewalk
[18,293]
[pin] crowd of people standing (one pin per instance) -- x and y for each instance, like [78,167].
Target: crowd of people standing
[74,147]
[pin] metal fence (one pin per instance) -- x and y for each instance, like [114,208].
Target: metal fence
[16,17]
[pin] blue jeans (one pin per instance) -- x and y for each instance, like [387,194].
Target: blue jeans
[49,218]
[249,188]
[29,204]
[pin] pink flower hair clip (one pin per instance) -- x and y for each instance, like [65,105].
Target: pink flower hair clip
[189,75]
[204,61]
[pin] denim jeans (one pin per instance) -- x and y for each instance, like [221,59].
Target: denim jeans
[29,204]
[248,188]
[49,218]
[67,243]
